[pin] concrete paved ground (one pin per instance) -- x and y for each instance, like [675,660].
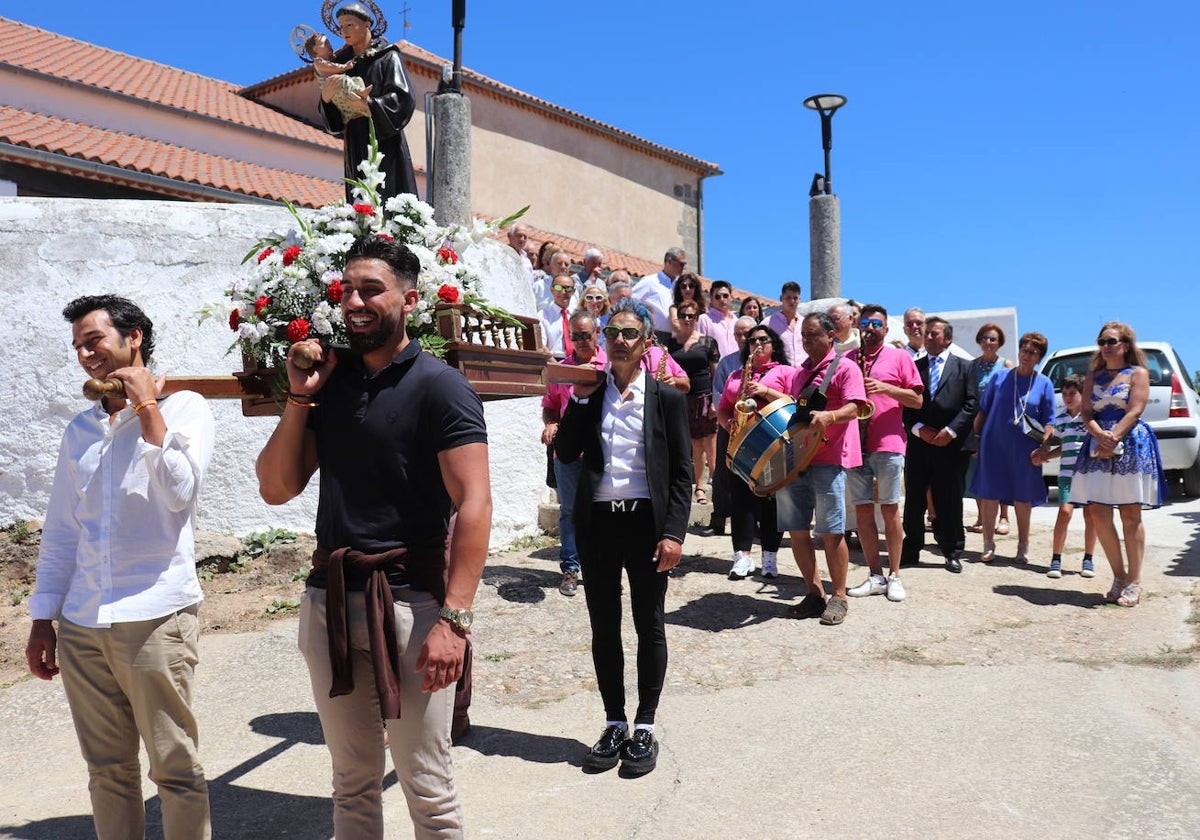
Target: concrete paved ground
[989,704]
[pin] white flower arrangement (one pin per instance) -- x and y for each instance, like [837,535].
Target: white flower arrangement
[294,289]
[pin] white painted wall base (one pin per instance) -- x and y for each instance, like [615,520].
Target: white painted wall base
[172,258]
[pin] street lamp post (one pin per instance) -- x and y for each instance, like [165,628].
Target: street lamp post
[824,210]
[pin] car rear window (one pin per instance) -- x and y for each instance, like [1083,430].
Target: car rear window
[1060,367]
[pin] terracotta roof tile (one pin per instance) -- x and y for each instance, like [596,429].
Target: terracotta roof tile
[39,51]
[138,154]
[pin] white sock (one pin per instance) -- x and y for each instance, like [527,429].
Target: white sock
[649,727]
[619,723]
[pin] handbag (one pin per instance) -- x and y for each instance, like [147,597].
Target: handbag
[1035,430]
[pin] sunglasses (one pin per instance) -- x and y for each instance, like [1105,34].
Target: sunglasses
[687,285]
[560,288]
[689,316]
[914,323]
[761,339]
[873,323]
[722,295]
[1109,342]
[628,333]
[583,336]
[593,297]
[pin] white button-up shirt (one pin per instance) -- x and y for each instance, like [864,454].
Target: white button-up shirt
[622,442]
[793,348]
[654,290]
[118,543]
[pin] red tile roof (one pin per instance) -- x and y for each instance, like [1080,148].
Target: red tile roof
[422,59]
[35,50]
[74,140]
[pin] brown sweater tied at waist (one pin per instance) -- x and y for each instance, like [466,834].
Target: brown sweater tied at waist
[422,567]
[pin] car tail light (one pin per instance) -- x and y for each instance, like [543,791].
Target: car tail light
[1179,407]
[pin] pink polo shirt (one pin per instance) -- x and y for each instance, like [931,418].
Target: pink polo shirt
[894,366]
[720,327]
[558,394]
[842,447]
[771,375]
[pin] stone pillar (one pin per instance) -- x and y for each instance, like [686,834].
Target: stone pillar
[825,247]
[451,159]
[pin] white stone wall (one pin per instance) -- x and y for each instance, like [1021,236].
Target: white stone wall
[172,258]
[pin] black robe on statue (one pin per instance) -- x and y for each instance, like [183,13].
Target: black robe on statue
[392,104]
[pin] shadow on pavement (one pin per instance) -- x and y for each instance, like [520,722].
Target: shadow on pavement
[543,749]
[1043,596]
[1187,562]
[522,586]
[719,611]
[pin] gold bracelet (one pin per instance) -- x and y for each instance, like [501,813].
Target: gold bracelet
[137,409]
[305,404]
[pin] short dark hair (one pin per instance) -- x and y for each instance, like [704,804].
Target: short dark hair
[824,319]
[873,307]
[778,353]
[403,262]
[947,327]
[125,314]
[720,284]
[1071,380]
[789,286]
[1039,341]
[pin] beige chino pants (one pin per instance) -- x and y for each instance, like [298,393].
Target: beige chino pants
[131,680]
[420,739]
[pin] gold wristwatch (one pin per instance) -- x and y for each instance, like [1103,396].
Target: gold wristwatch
[461,619]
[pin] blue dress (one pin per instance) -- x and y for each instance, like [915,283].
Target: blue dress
[1134,477]
[1005,472]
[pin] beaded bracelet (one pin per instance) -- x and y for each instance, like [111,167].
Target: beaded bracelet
[137,409]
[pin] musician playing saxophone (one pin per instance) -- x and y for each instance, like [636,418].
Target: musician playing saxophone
[764,378]
[892,382]
[821,489]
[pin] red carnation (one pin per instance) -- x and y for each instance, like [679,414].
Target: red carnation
[448,294]
[364,209]
[386,236]
[235,318]
[335,291]
[446,255]
[289,256]
[297,330]
[261,304]
[266,253]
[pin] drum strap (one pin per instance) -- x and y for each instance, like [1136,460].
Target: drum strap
[828,378]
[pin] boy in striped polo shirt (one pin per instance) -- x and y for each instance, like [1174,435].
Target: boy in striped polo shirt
[1069,429]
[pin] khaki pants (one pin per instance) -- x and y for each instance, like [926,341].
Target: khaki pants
[420,739]
[129,680]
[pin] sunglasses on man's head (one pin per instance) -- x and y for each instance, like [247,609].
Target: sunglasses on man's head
[873,323]
[627,333]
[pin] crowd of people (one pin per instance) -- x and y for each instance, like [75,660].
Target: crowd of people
[919,422]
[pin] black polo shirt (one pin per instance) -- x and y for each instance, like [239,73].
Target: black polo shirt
[378,439]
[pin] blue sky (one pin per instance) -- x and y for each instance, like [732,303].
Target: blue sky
[1038,155]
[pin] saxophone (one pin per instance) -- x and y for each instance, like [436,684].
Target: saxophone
[661,374]
[745,405]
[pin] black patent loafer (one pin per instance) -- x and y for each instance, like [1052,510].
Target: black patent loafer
[640,753]
[606,752]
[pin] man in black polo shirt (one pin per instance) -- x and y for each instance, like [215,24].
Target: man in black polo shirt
[401,443]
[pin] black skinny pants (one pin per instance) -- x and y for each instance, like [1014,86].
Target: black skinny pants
[610,542]
[750,513]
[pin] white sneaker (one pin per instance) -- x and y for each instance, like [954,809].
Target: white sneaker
[873,585]
[895,589]
[743,565]
[770,565]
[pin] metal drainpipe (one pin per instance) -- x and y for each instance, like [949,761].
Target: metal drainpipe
[429,147]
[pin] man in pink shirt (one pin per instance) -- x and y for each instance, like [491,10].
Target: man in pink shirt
[786,322]
[718,321]
[892,382]
[584,335]
[821,489]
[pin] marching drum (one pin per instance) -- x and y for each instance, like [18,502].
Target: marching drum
[772,447]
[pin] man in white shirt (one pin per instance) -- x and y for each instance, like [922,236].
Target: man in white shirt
[117,571]
[787,322]
[517,237]
[846,336]
[555,318]
[559,263]
[718,321]
[655,290]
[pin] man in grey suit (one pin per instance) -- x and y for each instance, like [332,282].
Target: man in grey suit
[936,461]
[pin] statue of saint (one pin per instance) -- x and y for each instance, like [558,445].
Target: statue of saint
[385,97]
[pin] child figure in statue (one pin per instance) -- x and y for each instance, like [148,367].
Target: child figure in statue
[348,98]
